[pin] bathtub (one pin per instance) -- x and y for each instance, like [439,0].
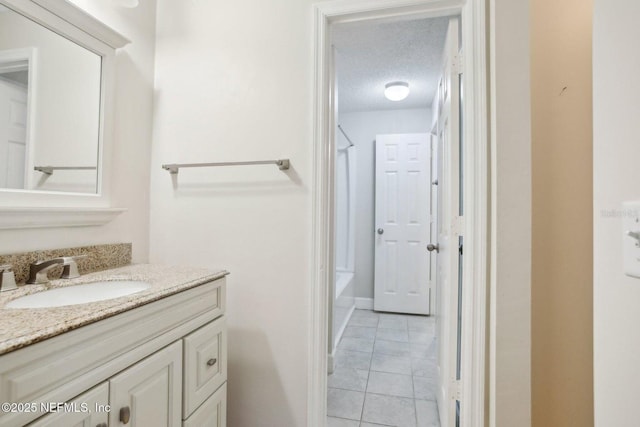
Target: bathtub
[343,307]
[344,279]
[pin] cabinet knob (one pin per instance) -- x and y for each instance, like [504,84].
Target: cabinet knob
[211,362]
[125,415]
[380,230]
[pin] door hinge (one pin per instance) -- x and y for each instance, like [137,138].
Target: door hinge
[458,64]
[457,225]
[455,389]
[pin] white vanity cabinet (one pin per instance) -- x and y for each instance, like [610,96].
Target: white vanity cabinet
[160,364]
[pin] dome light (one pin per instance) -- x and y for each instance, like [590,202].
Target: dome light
[396,91]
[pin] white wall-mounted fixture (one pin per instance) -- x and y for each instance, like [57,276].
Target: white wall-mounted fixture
[631,238]
[396,91]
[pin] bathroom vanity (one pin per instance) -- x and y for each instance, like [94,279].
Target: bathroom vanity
[154,358]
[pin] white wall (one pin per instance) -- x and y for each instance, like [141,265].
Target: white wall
[510,276]
[234,81]
[362,128]
[616,64]
[134,109]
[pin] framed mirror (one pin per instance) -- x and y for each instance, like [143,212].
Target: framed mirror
[56,85]
[49,109]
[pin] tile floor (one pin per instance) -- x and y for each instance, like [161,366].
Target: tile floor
[385,373]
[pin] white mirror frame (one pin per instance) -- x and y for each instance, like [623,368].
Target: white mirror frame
[33,209]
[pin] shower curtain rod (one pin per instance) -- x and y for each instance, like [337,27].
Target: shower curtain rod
[351,144]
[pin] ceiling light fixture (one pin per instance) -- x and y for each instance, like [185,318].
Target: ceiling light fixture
[396,91]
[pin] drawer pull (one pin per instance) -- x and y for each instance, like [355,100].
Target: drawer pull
[212,362]
[125,415]
[102,425]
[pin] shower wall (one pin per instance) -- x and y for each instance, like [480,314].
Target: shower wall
[344,289]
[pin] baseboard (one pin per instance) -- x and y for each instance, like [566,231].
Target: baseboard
[364,303]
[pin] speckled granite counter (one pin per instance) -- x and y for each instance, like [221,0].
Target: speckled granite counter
[22,327]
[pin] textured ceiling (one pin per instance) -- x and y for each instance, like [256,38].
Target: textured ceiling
[372,54]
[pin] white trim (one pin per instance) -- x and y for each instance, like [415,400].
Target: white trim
[475,26]
[321,289]
[15,218]
[364,303]
[476,185]
[85,22]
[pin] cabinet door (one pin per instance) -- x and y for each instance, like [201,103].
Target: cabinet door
[212,413]
[90,409]
[150,392]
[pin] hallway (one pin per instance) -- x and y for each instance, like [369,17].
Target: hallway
[385,372]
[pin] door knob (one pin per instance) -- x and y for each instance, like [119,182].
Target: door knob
[431,247]
[380,231]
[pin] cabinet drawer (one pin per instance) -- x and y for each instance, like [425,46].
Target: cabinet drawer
[205,364]
[212,413]
[94,402]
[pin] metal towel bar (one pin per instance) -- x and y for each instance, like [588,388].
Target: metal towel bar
[48,170]
[283,164]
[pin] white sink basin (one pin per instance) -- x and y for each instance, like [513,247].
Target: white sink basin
[79,294]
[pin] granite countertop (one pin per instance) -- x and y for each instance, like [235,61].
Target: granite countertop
[20,327]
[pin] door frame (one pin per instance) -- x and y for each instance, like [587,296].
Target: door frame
[473,391]
[29,54]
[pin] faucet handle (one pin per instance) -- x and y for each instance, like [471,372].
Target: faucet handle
[7,278]
[70,267]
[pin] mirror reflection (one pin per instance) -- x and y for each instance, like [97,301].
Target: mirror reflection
[49,109]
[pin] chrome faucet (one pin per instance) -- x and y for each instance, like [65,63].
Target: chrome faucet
[7,278]
[38,270]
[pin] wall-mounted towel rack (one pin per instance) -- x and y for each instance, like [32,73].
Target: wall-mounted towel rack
[283,164]
[48,170]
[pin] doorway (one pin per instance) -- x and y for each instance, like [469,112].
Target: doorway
[464,393]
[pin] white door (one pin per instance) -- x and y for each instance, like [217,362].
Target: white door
[402,223]
[150,392]
[13,134]
[449,225]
